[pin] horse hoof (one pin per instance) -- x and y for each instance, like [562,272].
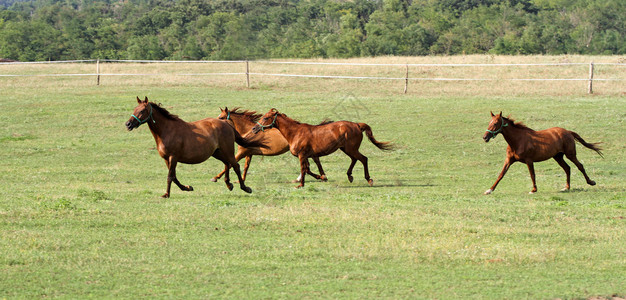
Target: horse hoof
[371,182]
[531,192]
[350,178]
[323,178]
[166,195]
[189,188]
[565,189]
[247,189]
[299,186]
[214,179]
[591,182]
[229,186]
[488,192]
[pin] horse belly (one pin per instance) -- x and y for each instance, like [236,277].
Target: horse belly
[197,152]
[276,142]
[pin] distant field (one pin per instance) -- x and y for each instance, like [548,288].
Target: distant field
[80,213]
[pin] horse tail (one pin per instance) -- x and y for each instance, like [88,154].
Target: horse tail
[368,131]
[250,140]
[592,146]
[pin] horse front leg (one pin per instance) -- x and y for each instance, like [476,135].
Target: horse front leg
[507,163]
[170,170]
[322,176]
[218,176]
[171,176]
[531,170]
[318,177]
[245,167]
[304,169]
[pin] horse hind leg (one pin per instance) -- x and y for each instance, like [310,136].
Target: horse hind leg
[232,162]
[246,166]
[356,155]
[572,157]
[242,184]
[559,159]
[352,163]
[237,157]
[218,154]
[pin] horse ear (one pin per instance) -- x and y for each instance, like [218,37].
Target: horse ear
[500,114]
[146,100]
[138,100]
[226,108]
[492,114]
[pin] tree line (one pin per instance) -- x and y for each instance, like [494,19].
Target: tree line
[254,29]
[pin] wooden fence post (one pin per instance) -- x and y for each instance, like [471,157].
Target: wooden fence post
[590,89]
[406,79]
[247,74]
[98,71]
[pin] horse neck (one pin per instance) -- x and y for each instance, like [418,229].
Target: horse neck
[287,127]
[162,126]
[514,135]
[242,123]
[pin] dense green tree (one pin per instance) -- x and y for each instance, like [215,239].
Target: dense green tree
[252,29]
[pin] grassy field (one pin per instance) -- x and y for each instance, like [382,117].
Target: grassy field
[81,217]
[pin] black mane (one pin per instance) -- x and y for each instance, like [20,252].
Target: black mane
[164,112]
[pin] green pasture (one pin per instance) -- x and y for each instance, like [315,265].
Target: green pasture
[81,217]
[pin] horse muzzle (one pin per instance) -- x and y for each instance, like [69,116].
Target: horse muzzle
[130,125]
[488,136]
[256,129]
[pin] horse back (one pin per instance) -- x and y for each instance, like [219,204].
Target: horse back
[326,138]
[545,144]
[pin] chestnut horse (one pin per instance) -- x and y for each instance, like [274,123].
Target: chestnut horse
[307,141]
[244,120]
[528,146]
[190,143]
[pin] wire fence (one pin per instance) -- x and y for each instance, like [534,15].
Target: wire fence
[245,71]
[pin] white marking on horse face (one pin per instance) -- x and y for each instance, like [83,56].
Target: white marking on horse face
[492,123]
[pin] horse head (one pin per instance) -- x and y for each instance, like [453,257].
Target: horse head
[267,121]
[496,125]
[141,114]
[224,114]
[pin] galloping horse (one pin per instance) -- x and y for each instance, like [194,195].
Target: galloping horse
[529,146]
[190,143]
[307,141]
[244,120]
